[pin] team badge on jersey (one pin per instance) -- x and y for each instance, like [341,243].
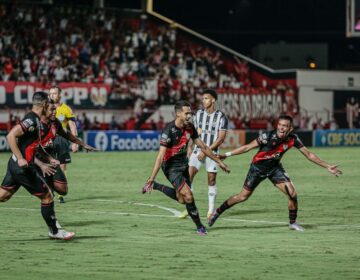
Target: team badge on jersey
[187,136]
[31,128]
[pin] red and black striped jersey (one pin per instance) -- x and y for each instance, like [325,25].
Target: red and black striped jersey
[272,148]
[29,141]
[176,141]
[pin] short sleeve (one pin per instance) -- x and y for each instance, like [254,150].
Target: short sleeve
[29,123]
[263,138]
[194,134]
[69,113]
[223,123]
[165,137]
[298,143]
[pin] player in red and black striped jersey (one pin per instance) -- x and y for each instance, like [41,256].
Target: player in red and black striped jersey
[172,158]
[24,141]
[266,164]
[45,158]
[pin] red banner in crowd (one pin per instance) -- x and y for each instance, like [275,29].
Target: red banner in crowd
[239,103]
[78,95]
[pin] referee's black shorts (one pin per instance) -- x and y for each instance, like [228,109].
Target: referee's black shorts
[62,150]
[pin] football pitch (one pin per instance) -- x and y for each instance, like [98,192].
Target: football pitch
[122,234]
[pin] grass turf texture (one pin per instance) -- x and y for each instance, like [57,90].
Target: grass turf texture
[251,241]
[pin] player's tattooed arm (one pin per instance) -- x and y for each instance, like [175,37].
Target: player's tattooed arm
[72,126]
[333,169]
[15,133]
[72,138]
[208,152]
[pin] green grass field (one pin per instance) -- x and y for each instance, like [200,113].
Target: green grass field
[122,234]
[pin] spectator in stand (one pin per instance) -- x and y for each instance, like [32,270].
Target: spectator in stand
[130,123]
[95,124]
[86,122]
[113,125]
[161,123]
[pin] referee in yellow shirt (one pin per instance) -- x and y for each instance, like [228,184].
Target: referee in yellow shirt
[67,118]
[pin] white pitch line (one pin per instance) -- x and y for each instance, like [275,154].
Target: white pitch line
[167,216]
[175,212]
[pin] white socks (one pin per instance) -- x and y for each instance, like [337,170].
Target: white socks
[212,197]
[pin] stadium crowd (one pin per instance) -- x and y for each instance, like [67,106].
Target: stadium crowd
[133,55]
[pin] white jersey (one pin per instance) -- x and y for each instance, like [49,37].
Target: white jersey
[209,125]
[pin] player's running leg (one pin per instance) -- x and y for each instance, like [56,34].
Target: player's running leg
[212,192]
[289,190]
[192,172]
[227,204]
[186,193]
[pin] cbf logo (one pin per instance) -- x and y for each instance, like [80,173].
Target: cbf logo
[101,141]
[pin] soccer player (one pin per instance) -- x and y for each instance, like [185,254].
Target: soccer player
[211,125]
[172,158]
[65,115]
[23,140]
[49,166]
[266,164]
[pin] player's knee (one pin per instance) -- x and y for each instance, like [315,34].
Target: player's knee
[61,189]
[4,195]
[188,198]
[46,198]
[212,182]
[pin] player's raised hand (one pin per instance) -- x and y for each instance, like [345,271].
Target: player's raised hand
[224,167]
[334,170]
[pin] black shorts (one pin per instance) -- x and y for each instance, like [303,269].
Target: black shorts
[177,177]
[62,150]
[59,177]
[30,178]
[256,175]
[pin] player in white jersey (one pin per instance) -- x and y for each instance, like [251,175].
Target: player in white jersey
[211,125]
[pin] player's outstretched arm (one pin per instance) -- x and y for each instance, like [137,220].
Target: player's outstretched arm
[69,136]
[315,159]
[208,152]
[241,150]
[73,129]
[15,133]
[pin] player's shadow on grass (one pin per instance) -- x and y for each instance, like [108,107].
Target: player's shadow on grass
[44,239]
[85,223]
[71,200]
[244,212]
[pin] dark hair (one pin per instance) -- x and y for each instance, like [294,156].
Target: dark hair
[211,92]
[180,104]
[40,97]
[286,117]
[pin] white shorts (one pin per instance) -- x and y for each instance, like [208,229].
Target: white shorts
[210,165]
